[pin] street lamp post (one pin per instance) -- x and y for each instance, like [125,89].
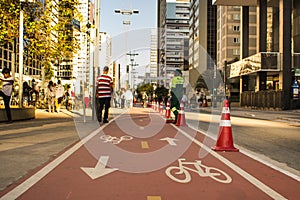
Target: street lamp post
[96,55]
[126,22]
[21,48]
[127,13]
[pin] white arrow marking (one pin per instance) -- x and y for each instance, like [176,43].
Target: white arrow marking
[171,141]
[100,169]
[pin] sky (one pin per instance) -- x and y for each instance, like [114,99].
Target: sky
[112,23]
[131,37]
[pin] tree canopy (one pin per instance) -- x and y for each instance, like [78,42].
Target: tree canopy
[43,39]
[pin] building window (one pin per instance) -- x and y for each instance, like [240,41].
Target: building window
[236,40]
[236,52]
[236,28]
[236,16]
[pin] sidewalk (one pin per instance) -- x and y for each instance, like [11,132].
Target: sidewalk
[289,116]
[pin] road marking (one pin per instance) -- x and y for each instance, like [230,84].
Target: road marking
[264,188]
[171,141]
[115,140]
[153,197]
[202,170]
[145,145]
[253,155]
[23,187]
[100,169]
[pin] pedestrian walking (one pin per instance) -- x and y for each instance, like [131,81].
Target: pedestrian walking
[184,99]
[128,98]
[34,92]
[104,93]
[59,95]
[176,93]
[122,98]
[86,98]
[50,95]
[26,93]
[67,95]
[6,91]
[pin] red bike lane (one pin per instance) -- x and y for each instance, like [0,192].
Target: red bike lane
[139,156]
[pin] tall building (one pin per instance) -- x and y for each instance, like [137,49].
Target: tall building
[202,38]
[153,54]
[266,78]
[173,36]
[81,60]
[229,41]
[105,49]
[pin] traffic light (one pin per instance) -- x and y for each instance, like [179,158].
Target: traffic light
[127,68]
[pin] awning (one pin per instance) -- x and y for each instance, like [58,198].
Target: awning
[235,2]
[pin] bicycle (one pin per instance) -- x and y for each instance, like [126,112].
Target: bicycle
[214,173]
[115,140]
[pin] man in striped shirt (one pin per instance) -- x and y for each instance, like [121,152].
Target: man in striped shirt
[104,90]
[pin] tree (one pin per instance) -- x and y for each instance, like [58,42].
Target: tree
[42,40]
[148,88]
[161,92]
[9,21]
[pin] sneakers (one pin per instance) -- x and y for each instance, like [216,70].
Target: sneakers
[105,121]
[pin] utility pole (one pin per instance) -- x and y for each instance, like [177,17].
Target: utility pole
[96,53]
[225,77]
[132,55]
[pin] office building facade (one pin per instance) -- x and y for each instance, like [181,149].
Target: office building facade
[173,37]
[266,78]
[202,39]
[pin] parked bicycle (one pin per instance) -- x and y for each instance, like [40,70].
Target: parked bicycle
[175,172]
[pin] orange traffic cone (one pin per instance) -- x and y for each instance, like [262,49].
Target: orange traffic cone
[181,116]
[168,113]
[161,108]
[225,141]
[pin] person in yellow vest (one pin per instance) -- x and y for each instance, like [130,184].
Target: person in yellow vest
[176,92]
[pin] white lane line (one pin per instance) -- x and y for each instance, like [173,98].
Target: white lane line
[264,188]
[254,156]
[23,187]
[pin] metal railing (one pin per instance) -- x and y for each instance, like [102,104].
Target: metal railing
[262,99]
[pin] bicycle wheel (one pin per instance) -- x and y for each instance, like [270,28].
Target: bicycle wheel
[218,175]
[172,172]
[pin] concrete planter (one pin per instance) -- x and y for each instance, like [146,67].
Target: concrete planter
[18,114]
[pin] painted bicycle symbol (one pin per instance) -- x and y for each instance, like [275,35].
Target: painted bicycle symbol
[115,140]
[201,170]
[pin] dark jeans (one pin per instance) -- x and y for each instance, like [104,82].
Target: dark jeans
[175,103]
[103,103]
[6,100]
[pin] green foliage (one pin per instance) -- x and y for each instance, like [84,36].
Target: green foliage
[148,88]
[48,71]
[161,91]
[39,32]
[9,20]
